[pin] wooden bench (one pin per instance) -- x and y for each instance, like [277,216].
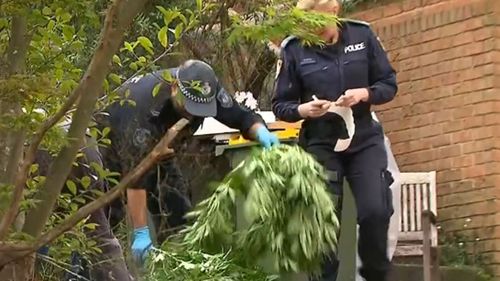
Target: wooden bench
[418,235]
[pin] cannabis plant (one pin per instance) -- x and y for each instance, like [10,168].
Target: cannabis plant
[273,210]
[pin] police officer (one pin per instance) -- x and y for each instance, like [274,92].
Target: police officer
[332,88]
[110,264]
[142,118]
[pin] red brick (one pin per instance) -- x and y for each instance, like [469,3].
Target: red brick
[473,209]
[484,58]
[447,118]
[408,64]
[462,161]
[492,119]
[459,27]
[462,38]
[440,140]
[482,33]
[442,115]
[371,15]
[455,127]
[479,8]
[430,130]
[473,122]
[469,195]
[474,171]
[485,82]
[485,157]
[487,182]
[449,175]
[442,164]
[463,111]
[475,146]
[411,4]
[392,9]
[487,107]
[453,150]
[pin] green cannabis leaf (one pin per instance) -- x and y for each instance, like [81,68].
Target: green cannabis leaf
[288,216]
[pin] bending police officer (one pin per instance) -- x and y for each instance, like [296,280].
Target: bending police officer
[333,87]
[196,93]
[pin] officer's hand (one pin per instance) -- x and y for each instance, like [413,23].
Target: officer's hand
[266,138]
[353,97]
[141,244]
[314,109]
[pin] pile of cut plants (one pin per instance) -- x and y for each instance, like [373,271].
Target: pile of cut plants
[270,215]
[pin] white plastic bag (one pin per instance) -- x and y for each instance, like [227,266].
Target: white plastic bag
[396,195]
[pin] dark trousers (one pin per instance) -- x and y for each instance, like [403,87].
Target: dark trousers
[369,180]
[110,264]
[168,199]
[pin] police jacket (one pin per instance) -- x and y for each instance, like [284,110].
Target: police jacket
[357,60]
[139,119]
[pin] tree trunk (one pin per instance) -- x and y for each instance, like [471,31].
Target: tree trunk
[119,16]
[10,253]
[22,270]
[16,58]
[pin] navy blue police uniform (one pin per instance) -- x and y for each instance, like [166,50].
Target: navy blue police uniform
[138,122]
[357,60]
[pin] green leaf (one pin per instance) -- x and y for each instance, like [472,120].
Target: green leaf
[162,10]
[105,85]
[162,36]
[51,25]
[168,76]
[146,44]
[33,168]
[133,66]
[115,78]
[46,11]
[85,182]
[183,19]
[128,47]
[71,186]
[178,30]
[199,5]
[68,32]
[65,17]
[156,89]
[106,131]
[73,207]
[117,60]
[77,45]
[168,15]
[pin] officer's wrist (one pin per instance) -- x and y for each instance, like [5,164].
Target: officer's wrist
[302,110]
[143,229]
[366,95]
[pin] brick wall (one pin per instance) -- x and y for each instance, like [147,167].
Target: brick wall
[446,116]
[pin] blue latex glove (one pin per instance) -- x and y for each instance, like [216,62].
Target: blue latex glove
[266,138]
[142,244]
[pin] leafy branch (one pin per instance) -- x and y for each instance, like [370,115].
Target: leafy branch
[160,151]
[287,213]
[280,24]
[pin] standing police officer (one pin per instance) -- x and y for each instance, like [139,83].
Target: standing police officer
[137,126]
[332,87]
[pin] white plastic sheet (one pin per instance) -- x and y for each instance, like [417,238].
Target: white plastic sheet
[396,195]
